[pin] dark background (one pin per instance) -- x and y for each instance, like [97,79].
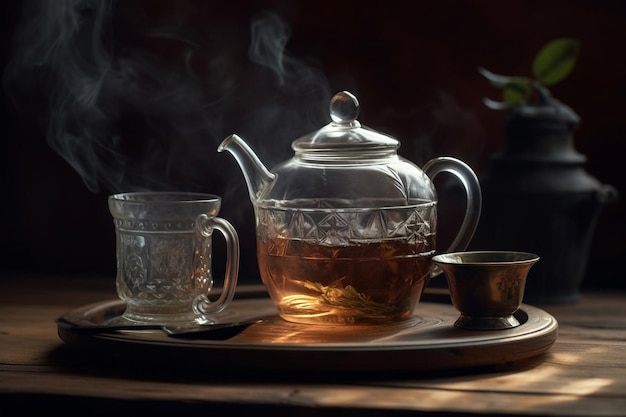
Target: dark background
[412,64]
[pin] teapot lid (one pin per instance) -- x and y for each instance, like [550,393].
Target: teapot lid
[344,138]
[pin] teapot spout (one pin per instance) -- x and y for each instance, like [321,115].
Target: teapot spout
[258,177]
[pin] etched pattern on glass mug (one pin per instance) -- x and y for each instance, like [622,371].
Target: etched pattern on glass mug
[170,278]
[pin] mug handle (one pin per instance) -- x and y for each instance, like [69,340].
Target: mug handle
[473,208]
[205,224]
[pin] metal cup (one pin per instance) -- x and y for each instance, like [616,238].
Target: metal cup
[486,287]
[164,252]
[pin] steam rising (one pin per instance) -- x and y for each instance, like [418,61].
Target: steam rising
[138,101]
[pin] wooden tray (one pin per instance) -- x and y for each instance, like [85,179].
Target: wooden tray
[427,342]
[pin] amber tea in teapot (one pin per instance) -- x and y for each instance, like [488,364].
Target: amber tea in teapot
[354,284]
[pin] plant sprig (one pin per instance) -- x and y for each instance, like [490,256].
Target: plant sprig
[554,62]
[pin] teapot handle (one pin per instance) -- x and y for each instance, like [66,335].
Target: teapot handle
[471,184]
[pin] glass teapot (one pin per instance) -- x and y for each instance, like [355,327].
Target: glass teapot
[346,228]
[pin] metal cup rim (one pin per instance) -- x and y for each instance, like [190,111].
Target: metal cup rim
[486,258]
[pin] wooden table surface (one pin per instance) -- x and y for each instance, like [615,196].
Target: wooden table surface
[582,374]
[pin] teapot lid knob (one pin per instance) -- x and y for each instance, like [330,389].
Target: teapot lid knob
[344,107]
[344,138]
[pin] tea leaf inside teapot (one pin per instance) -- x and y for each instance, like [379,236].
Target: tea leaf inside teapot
[355,305]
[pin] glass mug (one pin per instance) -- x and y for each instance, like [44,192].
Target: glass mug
[163,251]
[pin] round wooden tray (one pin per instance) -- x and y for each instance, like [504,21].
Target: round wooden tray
[427,342]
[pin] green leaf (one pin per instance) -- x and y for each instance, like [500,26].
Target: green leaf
[556,60]
[516,92]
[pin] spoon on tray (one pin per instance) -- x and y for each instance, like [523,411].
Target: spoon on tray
[212,331]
